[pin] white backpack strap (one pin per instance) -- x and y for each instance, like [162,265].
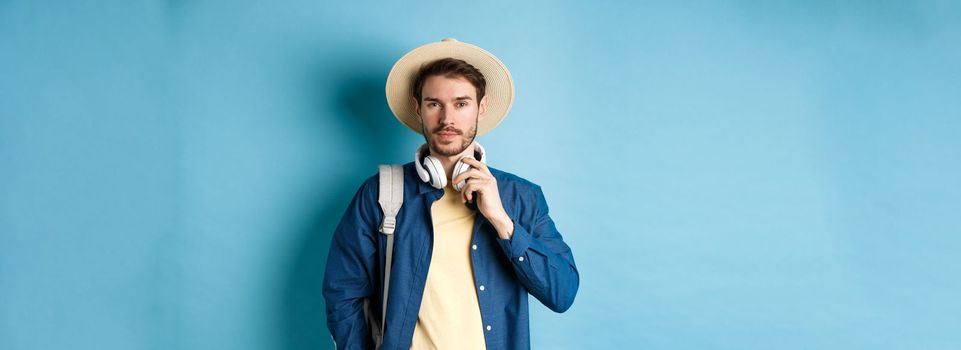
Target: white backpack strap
[391,195]
[391,198]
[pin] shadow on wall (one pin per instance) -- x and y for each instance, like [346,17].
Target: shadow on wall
[351,99]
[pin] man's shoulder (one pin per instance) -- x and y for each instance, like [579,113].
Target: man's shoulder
[365,202]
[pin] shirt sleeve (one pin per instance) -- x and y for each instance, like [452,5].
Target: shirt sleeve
[347,278]
[543,263]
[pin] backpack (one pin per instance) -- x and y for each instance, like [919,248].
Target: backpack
[391,198]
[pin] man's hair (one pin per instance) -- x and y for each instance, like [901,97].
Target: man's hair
[450,68]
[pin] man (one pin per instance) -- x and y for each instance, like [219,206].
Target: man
[458,280]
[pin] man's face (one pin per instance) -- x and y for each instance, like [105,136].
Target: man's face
[449,112]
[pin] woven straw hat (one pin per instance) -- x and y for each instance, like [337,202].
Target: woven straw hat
[499,92]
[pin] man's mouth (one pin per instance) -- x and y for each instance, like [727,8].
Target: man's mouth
[447,133]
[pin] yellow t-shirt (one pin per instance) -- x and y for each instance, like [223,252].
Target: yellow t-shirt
[449,316]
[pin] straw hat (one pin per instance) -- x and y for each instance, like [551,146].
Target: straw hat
[499,92]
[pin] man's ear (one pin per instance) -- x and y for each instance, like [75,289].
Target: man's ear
[482,108]
[417,109]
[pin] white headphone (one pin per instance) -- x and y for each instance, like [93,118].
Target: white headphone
[432,172]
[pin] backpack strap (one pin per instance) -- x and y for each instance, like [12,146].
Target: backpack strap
[391,198]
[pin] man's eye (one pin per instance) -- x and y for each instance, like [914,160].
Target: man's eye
[461,104]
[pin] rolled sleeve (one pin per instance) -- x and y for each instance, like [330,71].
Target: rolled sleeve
[517,245]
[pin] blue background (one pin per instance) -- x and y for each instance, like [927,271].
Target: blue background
[736,175]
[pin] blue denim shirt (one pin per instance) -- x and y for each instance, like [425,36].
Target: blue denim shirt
[535,261]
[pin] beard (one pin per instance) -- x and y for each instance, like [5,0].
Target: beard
[454,147]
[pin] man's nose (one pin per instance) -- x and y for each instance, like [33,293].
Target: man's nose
[442,117]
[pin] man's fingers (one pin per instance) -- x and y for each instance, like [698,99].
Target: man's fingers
[473,188]
[476,164]
[467,193]
[472,173]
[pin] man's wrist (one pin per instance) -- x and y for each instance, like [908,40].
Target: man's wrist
[504,226]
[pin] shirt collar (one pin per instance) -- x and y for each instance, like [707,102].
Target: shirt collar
[423,187]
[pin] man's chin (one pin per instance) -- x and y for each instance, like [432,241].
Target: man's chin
[448,148]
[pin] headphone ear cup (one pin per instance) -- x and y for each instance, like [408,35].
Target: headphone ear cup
[419,164]
[438,178]
[479,150]
[460,168]
[421,172]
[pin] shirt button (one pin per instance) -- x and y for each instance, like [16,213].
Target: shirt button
[488,328]
[474,247]
[482,288]
[521,258]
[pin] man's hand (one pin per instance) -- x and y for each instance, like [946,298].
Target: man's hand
[482,187]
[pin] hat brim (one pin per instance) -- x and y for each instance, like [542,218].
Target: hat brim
[499,91]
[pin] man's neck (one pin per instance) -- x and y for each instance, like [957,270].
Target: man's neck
[448,162]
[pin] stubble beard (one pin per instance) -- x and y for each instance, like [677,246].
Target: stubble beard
[452,149]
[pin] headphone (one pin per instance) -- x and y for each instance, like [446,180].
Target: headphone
[432,172]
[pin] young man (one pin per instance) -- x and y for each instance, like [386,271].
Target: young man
[471,241]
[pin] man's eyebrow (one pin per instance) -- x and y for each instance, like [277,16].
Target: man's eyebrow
[459,98]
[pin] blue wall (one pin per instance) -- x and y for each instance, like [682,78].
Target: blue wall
[739,175]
